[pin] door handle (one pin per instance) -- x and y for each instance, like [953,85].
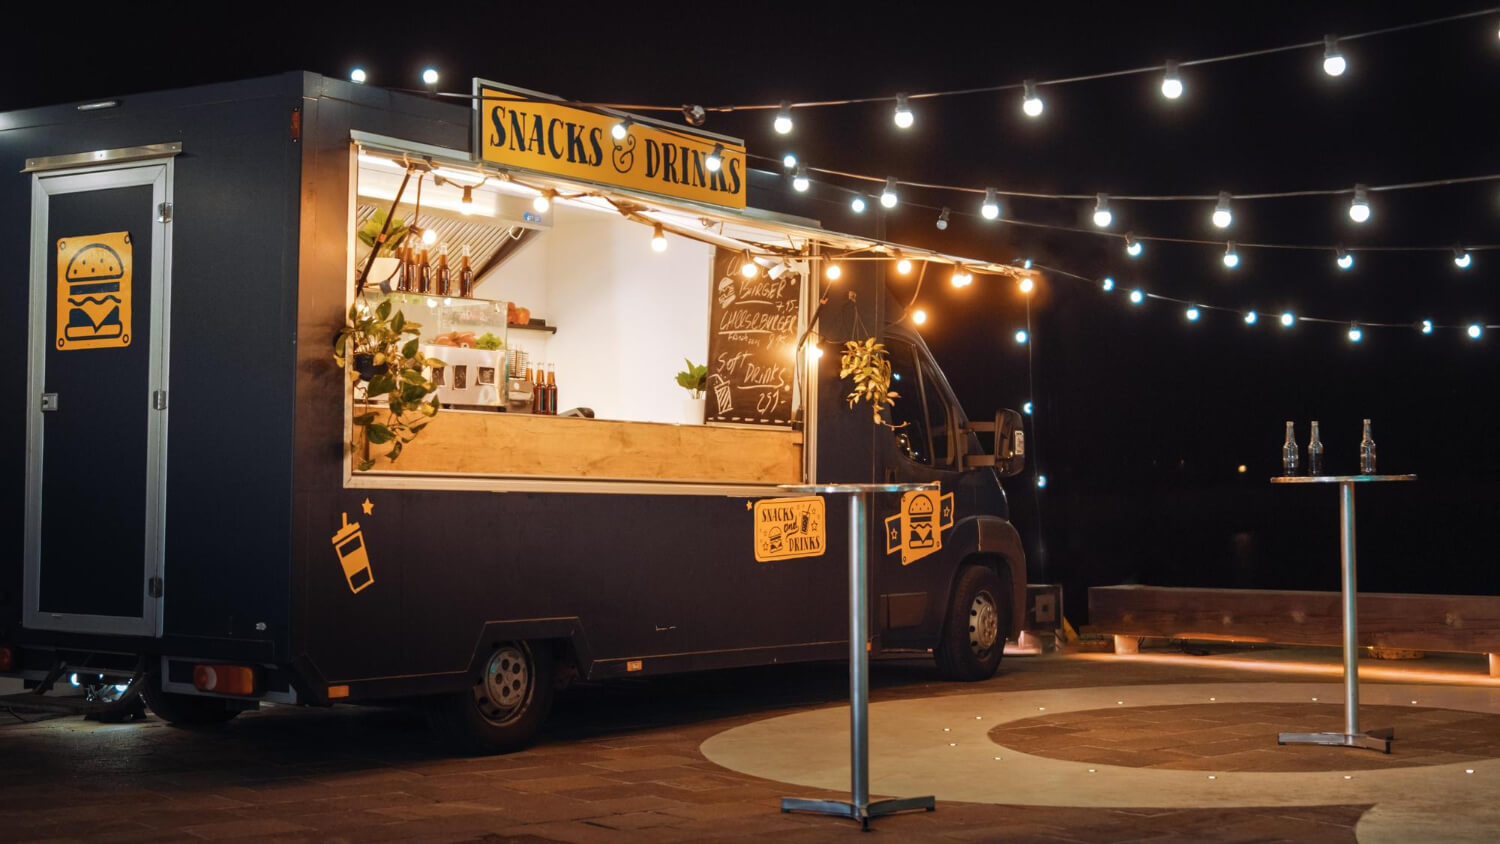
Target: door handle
[49,402]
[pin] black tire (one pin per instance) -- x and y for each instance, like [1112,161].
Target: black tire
[504,710]
[184,710]
[976,625]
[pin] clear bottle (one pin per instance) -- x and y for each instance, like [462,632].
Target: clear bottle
[551,390]
[465,274]
[440,277]
[1314,451]
[1289,456]
[1367,452]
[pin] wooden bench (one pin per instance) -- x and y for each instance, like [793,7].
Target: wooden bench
[1451,623]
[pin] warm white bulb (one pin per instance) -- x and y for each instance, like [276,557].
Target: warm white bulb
[715,159]
[1031,104]
[1462,260]
[1222,218]
[833,272]
[542,203]
[1192,314]
[1356,334]
[857,204]
[1333,57]
[783,123]
[1026,284]
[1022,337]
[1108,284]
[1251,317]
[1475,330]
[357,75]
[903,266]
[919,316]
[1137,297]
[903,116]
[620,130]
[1359,206]
[430,76]
[1426,326]
[789,161]
[815,352]
[1103,218]
[1345,259]
[1231,257]
[749,269]
[800,182]
[1171,87]
[942,220]
[1287,318]
[429,236]
[991,208]
[658,240]
[888,195]
[1133,247]
[962,278]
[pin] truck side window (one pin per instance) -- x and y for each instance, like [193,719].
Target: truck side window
[911,437]
[937,421]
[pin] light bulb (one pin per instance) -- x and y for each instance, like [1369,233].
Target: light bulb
[1461,258]
[1426,327]
[789,161]
[961,277]
[1026,284]
[1251,317]
[1108,284]
[1287,318]
[1359,206]
[903,116]
[1231,257]
[800,181]
[783,123]
[1026,408]
[1345,259]
[466,204]
[1355,333]
[1031,104]
[857,204]
[1041,481]
[1192,314]
[833,272]
[658,239]
[942,220]
[1102,215]
[1333,58]
[1222,215]
[715,159]
[1475,330]
[1171,83]
[919,316]
[430,76]
[815,352]
[429,236]
[542,203]
[1137,297]
[888,195]
[1022,337]
[620,130]
[748,267]
[1133,247]
[991,207]
[358,76]
[903,265]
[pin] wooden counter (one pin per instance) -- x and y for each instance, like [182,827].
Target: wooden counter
[486,443]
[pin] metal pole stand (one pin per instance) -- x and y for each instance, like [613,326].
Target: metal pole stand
[1379,739]
[858,807]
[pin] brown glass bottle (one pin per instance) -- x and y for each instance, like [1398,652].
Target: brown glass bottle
[404,269]
[538,391]
[424,273]
[465,275]
[440,277]
[551,390]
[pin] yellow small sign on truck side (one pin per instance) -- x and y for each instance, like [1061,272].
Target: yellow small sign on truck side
[93,291]
[789,527]
[918,529]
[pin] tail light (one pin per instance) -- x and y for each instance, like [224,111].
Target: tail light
[225,679]
[7,659]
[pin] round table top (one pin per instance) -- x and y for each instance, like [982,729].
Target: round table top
[1340,479]
[834,489]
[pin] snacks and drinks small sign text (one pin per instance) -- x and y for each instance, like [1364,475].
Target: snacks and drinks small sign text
[789,527]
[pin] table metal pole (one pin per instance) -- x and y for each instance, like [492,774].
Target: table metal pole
[1351,609]
[859,657]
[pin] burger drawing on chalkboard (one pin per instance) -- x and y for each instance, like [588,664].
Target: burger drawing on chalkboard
[726,292]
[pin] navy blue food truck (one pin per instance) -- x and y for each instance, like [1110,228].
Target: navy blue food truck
[337,394]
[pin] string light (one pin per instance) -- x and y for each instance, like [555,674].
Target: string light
[903,264]
[1102,215]
[1461,258]
[748,268]
[1133,247]
[962,277]
[1359,206]
[1171,83]
[1345,259]
[1333,58]
[358,76]
[1137,297]
[990,209]
[800,182]
[542,203]
[1022,337]
[1426,326]
[429,236]
[430,76]
[1026,408]
[857,204]
[1355,334]
[1031,104]
[942,220]
[789,161]
[1251,317]
[1026,285]
[1231,257]
[903,116]
[1475,331]
[715,159]
[783,123]
[919,316]
[1287,319]
[620,130]
[466,203]
[658,239]
[1108,284]
[1041,481]
[816,352]
[1192,313]
[1222,215]
[888,196]
[833,272]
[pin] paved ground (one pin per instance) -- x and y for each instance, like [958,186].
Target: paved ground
[617,763]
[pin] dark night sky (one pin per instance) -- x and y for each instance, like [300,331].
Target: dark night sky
[1142,417]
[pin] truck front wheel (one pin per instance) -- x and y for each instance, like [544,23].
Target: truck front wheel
[184,710]
[505,709]
[973,638]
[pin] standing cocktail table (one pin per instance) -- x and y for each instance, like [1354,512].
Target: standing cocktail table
[859,806]
[1351,736]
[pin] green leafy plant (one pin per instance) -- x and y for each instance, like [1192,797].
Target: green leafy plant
[388,350]
[694,379]
[489,342]
[393,237]
[869,365]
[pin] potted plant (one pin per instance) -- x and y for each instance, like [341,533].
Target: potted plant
[694,379]
[383,351]
[386,259]
[869,365]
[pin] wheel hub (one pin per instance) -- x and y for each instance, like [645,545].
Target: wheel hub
[984,624]
[506,685]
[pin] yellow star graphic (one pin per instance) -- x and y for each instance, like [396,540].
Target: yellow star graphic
[748,506]
[369,506]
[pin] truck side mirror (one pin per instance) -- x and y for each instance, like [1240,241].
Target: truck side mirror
[1009,456]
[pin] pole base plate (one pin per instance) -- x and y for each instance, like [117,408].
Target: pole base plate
[853,811]
[1369,740]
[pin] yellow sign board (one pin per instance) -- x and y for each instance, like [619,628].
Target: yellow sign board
[521,129]
[354,557]
[93,291]
[789,527]
[918,529]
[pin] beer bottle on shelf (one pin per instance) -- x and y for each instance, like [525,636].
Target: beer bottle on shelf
[1367,452]
[404,269]
[440,273]
[1314,452]
[465,274]
[538,391]
[1289,452]
[424,273]
[551,390]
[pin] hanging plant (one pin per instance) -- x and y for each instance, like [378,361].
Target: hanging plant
[392,364]
[867,363]
[369,233]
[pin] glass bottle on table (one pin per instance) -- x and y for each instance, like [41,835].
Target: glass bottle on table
[1289,456]
[551,390]
[404,269]
[538,391]
[465,274]
[440,278]
[1367,452]
[1314,451]
[528,386]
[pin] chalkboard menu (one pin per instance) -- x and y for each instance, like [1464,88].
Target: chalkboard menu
[752,337]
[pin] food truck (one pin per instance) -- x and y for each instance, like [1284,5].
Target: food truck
[338,394]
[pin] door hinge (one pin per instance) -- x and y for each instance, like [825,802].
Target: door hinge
[49,402]
[153,587]
[159,400]
[163,212]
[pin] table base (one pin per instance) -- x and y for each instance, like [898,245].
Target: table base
[1369,740]
[845,809]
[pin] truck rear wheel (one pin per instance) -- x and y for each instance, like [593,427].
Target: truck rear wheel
[973,638]
[505,709]
[184,710]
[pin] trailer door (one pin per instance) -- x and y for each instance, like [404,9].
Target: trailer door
[96,408]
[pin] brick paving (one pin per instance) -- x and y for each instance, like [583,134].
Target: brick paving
[618,762]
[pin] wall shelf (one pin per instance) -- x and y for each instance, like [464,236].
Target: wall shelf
[535,326]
